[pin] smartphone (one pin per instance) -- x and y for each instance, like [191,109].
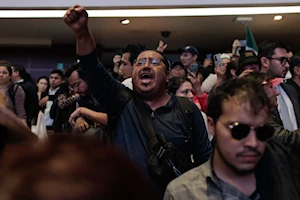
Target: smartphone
[243,43]
[217,60]
[208,56]
[194,68]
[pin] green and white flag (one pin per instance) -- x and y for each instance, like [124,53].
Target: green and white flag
[250,41]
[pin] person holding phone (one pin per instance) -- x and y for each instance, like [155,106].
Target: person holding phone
[188,57]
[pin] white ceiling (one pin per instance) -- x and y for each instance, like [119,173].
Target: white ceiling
[214,33]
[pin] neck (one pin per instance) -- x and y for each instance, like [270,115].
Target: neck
[3,86]
[264,69]
[16,79]
[51,88]
[296,79]
[158,101]
[244,182]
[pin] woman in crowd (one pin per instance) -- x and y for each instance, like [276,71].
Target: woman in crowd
[15,96]
[42,85]
[182,87]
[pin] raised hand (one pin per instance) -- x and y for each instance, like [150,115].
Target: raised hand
[76,18]
[161,46]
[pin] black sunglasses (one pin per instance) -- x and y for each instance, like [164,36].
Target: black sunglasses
[240,131]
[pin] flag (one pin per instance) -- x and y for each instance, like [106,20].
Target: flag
[250,41]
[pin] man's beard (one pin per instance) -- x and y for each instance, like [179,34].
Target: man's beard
[232,167]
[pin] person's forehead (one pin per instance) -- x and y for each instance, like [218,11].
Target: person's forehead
[125,56]
[149,54]
[2,68]
[43,80]
[54,75]
[186,84]
[185,53]
[178,66]
[280,51]
[74,75]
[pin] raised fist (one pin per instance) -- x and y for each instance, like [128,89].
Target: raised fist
[76,18]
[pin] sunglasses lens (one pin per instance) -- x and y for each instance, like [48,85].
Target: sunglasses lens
[264,133]
[240,131]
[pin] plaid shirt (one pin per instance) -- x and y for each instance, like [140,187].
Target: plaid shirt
[201,183]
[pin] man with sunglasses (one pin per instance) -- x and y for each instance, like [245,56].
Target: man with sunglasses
[274,60]
[246,163]
[149,77]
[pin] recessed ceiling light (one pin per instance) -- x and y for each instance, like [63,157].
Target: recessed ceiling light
[125,21]
[277,17]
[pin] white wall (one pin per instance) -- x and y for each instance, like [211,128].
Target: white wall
[133,3]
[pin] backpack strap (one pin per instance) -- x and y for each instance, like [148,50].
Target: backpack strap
[12,90]
[188,113]
[125,95]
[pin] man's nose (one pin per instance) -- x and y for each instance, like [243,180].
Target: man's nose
[251,140]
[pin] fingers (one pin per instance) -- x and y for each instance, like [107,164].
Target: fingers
[74,13]
[71,16]
[82,127]
[71,121]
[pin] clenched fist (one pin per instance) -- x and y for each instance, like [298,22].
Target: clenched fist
[76,18]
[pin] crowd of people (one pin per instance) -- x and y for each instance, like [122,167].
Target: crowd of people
[226,128]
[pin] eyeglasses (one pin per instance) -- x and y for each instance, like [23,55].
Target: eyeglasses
[153,62]
[72,87]
[240,131]
[282,60]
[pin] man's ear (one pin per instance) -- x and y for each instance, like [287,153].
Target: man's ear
[297,70]
[211,126]
[16,73]
[264,62]
[168,76]
[195,57]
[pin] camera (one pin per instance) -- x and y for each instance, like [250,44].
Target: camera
[165,34]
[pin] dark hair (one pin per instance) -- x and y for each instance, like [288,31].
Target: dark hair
[175,83]
[294,61]
[134,51]
[75,67]
[266,48]
[245,90]
[98,171]
[4,62]
[43,77]
[258,77]
[22,72]
[231,65]
[59,72]
[7,66]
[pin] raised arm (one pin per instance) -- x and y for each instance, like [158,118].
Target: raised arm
[76,18]
[104,87]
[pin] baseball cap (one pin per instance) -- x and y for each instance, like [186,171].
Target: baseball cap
[190,49]
[177,63]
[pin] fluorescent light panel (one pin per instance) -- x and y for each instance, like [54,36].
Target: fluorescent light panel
[171,12]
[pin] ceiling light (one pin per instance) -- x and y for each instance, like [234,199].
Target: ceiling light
[125,21]
[171,12]
[277,17]
[243,19]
